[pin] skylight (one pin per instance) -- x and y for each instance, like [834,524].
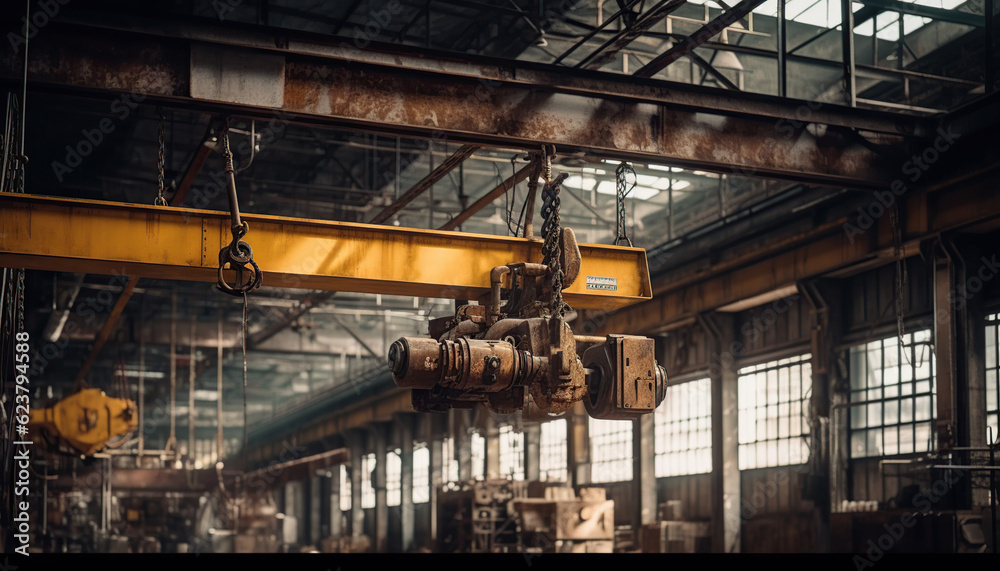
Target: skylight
[826,14]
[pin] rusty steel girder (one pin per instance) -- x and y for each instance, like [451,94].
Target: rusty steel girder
[298,78]
[507,356]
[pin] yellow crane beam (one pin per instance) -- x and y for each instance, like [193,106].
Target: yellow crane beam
[73,235]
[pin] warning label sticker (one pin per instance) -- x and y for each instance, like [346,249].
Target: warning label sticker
[598,282]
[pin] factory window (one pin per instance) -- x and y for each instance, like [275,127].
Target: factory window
[367,474]
[684,430]
[345,489]
[773,413]
[449,464]
[393,478]
[478,456]
[421,473]
[610,450]
[993,375]
[552,449]
[892,393]
[511,453]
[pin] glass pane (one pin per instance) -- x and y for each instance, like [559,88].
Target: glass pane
[906,410]
[891,440]
[874,441]
[991,389]
[922,408]
[891,412]
[923,437]
[906,439]
[874,414]
[991,346]
[858,444]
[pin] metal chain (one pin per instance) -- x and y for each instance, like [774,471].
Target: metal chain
[160,201]
[551,230]
[621,183]
[20,301]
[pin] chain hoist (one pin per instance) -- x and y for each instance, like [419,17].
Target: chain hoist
[238,254]
[524,355]
[622,190]
[160,201]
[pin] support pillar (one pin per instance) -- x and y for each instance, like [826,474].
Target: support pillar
[643,473]
[532,452]
[404,435]
[726,523]
[313,505]
[336,516]
[463,443]
[959,348]
[357,441]
[827,472]
[578,446]
[492,449]
[378,439]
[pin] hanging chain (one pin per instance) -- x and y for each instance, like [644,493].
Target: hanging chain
[551,231]
[623,190]
[160,201]
[20,300]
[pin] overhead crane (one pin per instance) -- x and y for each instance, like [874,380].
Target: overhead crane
[522,353]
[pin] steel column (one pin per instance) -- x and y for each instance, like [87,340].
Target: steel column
[945,349]
[492,437]
[463,443]
[847,52]
[578,446]
[380,542]
[404,436]
[726,520]
[336,516]
[781,38]
[643,473]
[356,439]
[532,452]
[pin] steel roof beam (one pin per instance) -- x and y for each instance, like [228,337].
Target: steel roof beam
[498,103]
[705,33]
